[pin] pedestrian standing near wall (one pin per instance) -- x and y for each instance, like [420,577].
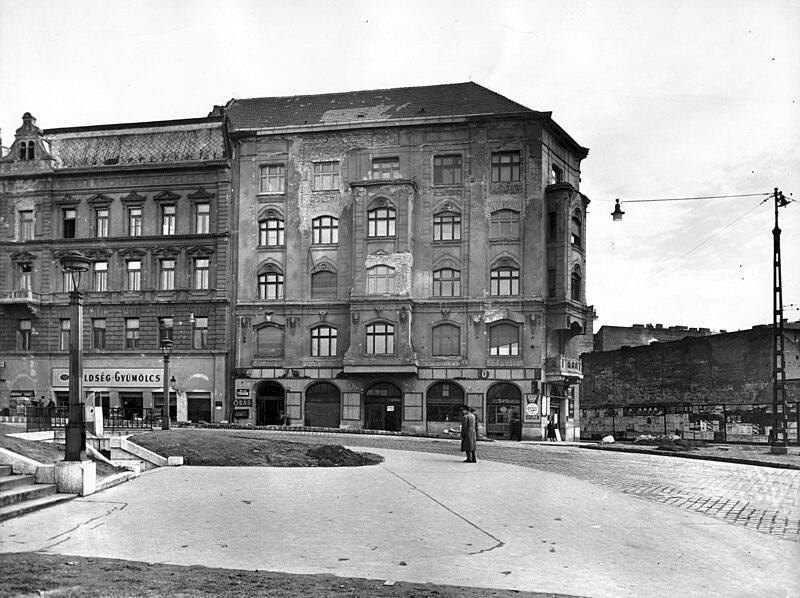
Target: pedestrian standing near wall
[477,424]
[468,434]
[551,430]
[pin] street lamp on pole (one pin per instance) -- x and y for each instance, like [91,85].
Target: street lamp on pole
[166,348]
[780,440]
[75,264]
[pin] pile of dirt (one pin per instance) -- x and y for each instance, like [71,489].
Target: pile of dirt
[329,455]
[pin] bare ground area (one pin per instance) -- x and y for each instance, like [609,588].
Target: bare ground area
[56,576]
[242,448]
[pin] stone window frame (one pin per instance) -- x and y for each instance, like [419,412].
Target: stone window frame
[441,168]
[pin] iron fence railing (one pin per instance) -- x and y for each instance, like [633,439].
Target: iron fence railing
[117,418]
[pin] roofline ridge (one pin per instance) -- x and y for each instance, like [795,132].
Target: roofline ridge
[331,93]
[136,125]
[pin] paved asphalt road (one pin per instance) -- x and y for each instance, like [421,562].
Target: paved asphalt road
[527,517]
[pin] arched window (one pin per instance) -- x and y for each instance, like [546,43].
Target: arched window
[446,282]
[322,405]
[575,227]
[323,284]
[325,230]
[31,145]
[269,341]
[380,280]
[504,224]
[270,285]
[323,341]
[575,282]
[272,232]
[504,340]
[504,281]
[447,226]
[444,401]
[380,339]
[381,222]
[445,340]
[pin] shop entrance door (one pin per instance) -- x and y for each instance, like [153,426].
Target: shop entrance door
[503,408]
[383,404]
[270,405]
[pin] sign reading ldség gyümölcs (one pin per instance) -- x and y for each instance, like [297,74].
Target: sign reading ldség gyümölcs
[113,377]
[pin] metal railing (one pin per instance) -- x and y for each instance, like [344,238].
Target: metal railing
[118,418]
[24,295]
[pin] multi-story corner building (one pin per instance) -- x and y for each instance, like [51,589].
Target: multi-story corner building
[149,205]
[403,252]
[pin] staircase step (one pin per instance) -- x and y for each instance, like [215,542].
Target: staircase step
[13,481]
[23,493]
[6,470]
[22,508]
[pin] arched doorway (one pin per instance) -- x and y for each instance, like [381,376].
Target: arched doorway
[270,404]
[503,408]
[383,405]
[322,405]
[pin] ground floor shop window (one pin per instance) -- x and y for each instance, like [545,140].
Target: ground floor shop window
[444,401]
[271,405]
[132,405]
[158,405]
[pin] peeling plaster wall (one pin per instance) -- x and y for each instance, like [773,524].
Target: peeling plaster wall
[402,263]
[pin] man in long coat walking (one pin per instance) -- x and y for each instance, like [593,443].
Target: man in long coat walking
[468,436]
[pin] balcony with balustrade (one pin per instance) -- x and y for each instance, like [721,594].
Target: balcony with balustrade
[561,368]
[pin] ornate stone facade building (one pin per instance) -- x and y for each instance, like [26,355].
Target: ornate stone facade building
[149,204]
[402,252]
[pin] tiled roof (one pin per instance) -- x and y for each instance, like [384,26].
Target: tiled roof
[136,144]
[457,99]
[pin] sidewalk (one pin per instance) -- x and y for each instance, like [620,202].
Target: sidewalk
[423,517]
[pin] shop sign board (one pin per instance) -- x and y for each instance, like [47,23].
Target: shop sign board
[113,377]
[242,402]
[532,410]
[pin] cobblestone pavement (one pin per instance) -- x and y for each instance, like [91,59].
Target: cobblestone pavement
[760,498]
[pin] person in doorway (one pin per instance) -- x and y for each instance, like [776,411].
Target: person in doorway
[551,430]
[468,435]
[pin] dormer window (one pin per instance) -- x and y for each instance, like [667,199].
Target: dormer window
[26,150]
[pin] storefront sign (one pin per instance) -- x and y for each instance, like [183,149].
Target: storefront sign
[113,377]
[533,412]
[242,402]
[241,413]
[242,392]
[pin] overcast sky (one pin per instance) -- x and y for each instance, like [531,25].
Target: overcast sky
[674,99]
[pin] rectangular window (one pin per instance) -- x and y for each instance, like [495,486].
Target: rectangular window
[326,176]
[135,221]
[447,170]
[24,335]
[380,339]
[446,283]
[134,275]
[168,220]
[447,226]
[380,280]
[202,218]
[505,282]
[505,167]
[386,168]
[69,216]
[551,283]
[26,225]
[445,341]
[272,232]
[323,284]
[200,333]
[98,333]
[381,222]
[272,178]
[131,333]
[100,276]
[201,269]
[325,230]
[323,341]
[63,334]
[66,282]
[25,278]
[167,277]
[101,222]
[504,340]
[270,286]
[165,327]
[504,224]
